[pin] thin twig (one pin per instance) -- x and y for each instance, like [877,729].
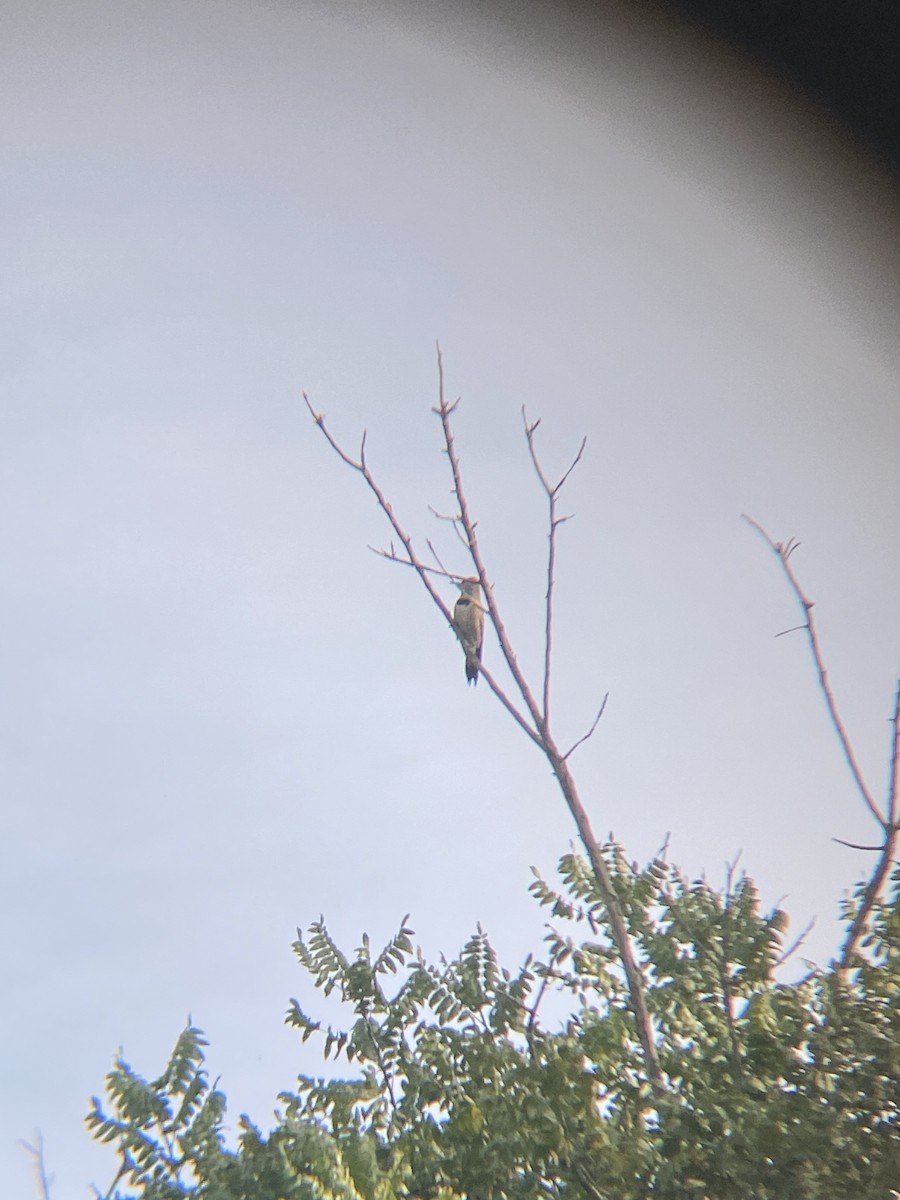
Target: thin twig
[392,556]
[730,869]
[854,845]
[452,518]
[37,1163]
[417,565]
[594,724]
[437,558]
[783,552]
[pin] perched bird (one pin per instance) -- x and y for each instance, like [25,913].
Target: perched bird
[468,615]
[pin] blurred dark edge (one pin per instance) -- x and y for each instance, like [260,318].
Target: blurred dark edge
[843,54]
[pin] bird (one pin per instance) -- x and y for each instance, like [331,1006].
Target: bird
[468,616]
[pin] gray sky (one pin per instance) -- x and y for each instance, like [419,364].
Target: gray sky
[223,715]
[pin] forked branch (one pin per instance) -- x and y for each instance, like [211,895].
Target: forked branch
[552,491]
[36,1153]
[360,465]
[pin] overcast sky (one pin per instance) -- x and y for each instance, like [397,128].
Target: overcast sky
[222,714]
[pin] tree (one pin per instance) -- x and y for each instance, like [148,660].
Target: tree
[685,1069]
[529,708]
[773,1091]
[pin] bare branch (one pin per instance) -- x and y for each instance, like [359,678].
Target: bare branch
[618,927]
[886,856]
[437,557]
[894,772]
[783,552]
[38,1165]
[386,508]
[444,407]
[454,518]
[634,977]
[869,898]
[854,845]
[552,491]
[590,732]
[730,868]
[537,728]
[445,411]
[882,867]
[888,822]
[548,623]
[574,463]
[517,716]
[392,556]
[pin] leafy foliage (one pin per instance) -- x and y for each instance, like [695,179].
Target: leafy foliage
[169,1130]
[787,1091]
